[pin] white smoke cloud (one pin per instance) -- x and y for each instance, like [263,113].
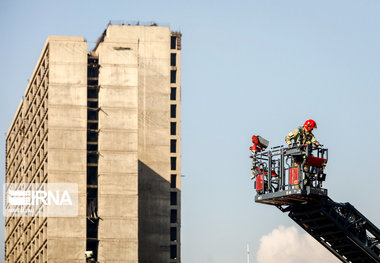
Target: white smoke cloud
[287,245]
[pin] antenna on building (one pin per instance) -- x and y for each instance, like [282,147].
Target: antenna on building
[248,253]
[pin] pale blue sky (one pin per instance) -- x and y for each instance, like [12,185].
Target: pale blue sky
[260,67]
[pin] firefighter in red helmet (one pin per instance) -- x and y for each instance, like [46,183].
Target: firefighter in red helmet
[303,134]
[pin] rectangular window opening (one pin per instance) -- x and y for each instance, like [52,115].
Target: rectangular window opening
[173,111]
[92,158]
[92,245]
[92,228]
[92,60]
[173,251]
[173,93]
[92,125]
[173,76]
[173,128]
[92,114]
[173,198]
[92,104]
[92,72]
[173,216]
[92,147]
[173,180]
[92,136]
[173,42]
[92,193]
[173,59]
[92,93]
[173,163]
[173,234]
[173,146]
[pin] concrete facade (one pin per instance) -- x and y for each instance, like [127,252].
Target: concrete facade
[109,121]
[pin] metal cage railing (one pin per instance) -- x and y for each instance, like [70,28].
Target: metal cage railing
[284,168]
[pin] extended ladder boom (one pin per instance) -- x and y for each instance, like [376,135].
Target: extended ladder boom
[340,228]
[291,179]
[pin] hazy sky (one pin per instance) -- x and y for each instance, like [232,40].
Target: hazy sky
[248,67]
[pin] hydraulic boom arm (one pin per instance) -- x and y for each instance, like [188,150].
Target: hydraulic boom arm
[291,179]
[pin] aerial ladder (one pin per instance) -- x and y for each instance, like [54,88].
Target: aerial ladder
[290,178]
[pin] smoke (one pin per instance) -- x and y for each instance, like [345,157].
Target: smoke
[287,245]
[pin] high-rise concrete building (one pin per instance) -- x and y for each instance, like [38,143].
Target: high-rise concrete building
[109,121]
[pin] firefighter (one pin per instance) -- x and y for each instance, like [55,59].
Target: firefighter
[303,135]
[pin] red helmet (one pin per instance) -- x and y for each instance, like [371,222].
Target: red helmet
[310,124]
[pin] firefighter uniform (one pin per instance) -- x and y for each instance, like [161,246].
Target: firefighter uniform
[300,136]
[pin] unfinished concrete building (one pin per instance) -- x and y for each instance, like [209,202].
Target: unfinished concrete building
[109,121]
